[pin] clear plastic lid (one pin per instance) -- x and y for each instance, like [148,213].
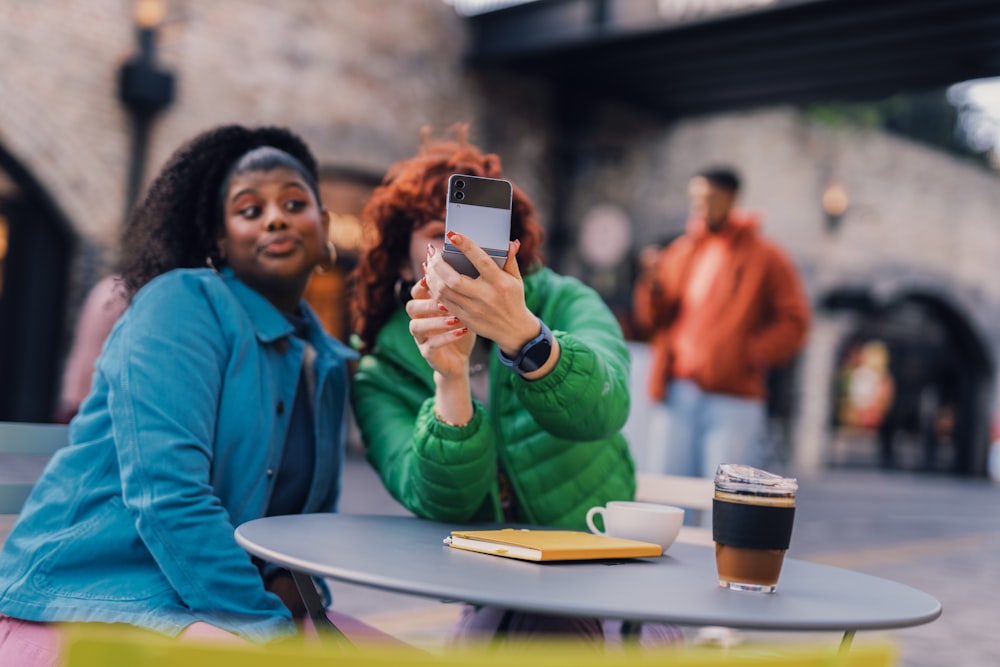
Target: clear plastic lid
[737,478]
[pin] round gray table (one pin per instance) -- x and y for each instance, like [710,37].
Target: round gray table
[407,555]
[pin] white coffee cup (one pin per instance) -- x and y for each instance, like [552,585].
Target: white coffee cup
[646,522]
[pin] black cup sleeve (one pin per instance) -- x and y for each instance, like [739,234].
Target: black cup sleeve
[752,526]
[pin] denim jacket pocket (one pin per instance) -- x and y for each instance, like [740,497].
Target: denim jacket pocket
[88,565]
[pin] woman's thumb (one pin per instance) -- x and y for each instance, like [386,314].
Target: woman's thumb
[511,266]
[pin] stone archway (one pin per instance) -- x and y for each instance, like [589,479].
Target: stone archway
[39,247]
[63,202]
[940,372]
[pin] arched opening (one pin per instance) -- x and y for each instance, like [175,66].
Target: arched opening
[912,385]
[36,245]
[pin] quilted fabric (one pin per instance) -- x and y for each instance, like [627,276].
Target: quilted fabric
[558,438]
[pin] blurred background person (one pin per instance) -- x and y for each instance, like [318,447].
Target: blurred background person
[869,387]
[722,306]
[105,303]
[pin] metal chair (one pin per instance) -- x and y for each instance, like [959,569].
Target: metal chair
[24,450]
[691,493]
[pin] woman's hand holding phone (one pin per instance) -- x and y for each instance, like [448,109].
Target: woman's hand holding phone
[443,339]
[479,209]
[491,305]
[446,343]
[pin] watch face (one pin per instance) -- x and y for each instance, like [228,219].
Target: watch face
[536,356]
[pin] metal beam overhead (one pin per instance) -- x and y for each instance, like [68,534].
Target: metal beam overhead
[777,52]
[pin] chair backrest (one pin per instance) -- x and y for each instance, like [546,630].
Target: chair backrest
[110,647]
[691,493]
[24,450]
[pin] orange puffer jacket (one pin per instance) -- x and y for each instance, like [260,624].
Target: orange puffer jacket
[758,319]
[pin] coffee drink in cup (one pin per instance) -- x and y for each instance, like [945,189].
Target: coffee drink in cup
[752,516]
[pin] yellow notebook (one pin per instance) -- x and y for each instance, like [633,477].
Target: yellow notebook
[543,545]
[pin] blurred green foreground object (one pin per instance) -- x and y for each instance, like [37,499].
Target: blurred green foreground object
[105,646]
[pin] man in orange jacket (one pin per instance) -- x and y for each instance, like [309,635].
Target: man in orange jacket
[723,306]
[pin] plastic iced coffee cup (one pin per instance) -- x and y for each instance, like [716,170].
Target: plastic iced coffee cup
[752,516]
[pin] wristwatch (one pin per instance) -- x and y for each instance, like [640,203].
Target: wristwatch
[532,355]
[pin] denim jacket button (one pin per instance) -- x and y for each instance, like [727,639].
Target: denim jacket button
[270,472]
[280,407]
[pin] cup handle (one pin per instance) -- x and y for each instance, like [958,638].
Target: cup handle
[591,513]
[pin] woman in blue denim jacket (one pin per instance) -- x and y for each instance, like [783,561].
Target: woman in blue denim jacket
[218,399]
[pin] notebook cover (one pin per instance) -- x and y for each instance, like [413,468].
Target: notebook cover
[547,545]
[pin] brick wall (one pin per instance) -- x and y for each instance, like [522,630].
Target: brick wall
[356,78]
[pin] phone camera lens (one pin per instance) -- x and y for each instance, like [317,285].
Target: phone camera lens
[459,184]
[459,196]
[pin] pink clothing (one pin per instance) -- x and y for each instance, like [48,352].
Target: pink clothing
[356,630]
[31,644]
[104,305]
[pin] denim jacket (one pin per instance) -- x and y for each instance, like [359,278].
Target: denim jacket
[178,442]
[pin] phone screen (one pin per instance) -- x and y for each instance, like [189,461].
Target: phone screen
[479,209]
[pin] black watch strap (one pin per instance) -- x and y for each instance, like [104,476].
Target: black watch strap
[532,355]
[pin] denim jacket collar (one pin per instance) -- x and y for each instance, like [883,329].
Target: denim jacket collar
[270,325]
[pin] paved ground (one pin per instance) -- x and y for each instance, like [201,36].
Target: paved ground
[939,534]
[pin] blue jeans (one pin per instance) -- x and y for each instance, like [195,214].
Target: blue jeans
[693,431]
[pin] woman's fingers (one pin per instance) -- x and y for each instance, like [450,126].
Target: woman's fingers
[425,328]
[420,290]
[448,287]
[492,305]
[426,307]
[476,255]
[443,339]
[511,267]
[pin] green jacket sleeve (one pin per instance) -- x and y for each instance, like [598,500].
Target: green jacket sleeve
[562,442]
[586,396]
[434,470]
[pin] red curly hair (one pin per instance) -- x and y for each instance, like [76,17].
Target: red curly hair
[412,194]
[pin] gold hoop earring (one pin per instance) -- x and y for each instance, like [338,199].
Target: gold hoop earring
[331,259]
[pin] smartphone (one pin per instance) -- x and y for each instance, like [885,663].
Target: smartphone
[479,209]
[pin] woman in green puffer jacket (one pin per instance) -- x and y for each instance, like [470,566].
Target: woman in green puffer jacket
[497,399]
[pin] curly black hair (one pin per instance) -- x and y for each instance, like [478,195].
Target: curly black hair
[178,222]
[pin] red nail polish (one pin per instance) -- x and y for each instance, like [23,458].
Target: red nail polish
[442,308]
[451,236]
[452,320]
[423,281]
[462,332]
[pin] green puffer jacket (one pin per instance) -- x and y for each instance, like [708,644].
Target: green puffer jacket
[558,438]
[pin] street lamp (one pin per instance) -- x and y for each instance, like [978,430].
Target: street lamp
[145,90]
